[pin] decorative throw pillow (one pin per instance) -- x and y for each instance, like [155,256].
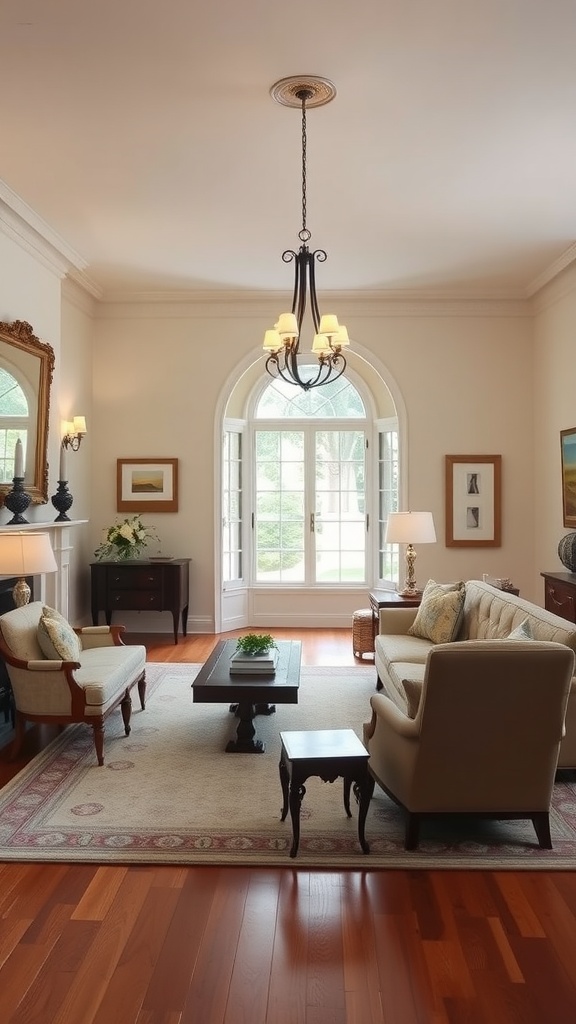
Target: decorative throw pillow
[413,693]
[522,632]
[57,639]
[439,616]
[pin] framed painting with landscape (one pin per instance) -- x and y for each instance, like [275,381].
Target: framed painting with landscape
[147,485]
[473,501]
[568,454]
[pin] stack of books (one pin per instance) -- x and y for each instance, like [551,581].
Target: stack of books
[254,664]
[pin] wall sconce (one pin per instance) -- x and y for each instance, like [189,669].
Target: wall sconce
[72,432]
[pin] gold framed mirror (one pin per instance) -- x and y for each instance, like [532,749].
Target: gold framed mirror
[26,369]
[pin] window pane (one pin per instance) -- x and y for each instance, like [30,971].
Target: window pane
[279,504]
[336,399]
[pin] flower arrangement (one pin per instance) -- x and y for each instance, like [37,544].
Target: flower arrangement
[126,539]
[255,643]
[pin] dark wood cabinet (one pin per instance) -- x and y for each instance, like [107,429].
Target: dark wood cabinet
[560,594]
[142,586]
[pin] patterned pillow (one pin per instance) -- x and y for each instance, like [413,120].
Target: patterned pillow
[439,616]
[57,639]
[522,631]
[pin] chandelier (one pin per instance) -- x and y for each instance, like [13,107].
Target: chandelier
[283,342]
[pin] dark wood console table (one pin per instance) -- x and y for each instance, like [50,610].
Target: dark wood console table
[142,585]
[560,594]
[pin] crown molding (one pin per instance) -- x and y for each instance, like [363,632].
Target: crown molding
[19,222]
[555,268]
[77,296]
[220,303]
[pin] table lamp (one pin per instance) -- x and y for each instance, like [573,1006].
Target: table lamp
[24,553]
[410,528]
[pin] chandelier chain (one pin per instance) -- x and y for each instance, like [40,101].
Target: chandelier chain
[304,235]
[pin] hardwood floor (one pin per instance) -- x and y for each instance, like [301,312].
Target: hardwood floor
[144,945]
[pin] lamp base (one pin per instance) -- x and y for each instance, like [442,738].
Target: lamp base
[410,592]
[21,592]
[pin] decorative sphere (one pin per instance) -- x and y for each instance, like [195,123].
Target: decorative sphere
[567,551]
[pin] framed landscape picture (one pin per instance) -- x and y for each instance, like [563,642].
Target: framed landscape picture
[473,501]
[568,453]
[147,485]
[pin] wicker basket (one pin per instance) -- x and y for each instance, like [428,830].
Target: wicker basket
[363,632]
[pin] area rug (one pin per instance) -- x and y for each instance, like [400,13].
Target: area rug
[170,794]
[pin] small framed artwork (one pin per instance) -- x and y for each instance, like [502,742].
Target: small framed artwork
[568,452]
[473,501]
[147,485]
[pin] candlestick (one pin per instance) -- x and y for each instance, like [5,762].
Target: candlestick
[18,460]
[62,463]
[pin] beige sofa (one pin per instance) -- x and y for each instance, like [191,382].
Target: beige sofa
[489,614]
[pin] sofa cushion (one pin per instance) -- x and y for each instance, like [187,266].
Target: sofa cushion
[105,671]
[439,616]
[392,647]
[522,632]
[56,637]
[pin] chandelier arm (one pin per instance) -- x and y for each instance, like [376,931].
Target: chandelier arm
[300,286]
[313,298]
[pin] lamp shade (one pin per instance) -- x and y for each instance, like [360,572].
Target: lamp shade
[24,553]
[410,528]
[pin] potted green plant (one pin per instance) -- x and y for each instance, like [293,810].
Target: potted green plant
[253,644]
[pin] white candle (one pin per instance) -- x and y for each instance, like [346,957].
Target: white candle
[62,475]
[18,460]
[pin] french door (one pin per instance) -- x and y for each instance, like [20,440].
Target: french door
[310,519]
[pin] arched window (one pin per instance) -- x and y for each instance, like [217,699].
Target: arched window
[14,422]
[302,486]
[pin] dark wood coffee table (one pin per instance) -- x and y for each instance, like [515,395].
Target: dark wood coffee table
[249,695]
[329,753]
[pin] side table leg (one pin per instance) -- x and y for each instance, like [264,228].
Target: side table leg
[347,788]
[297,793]
[363,791]
[285,783]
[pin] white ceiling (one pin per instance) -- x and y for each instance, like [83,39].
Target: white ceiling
[143,133]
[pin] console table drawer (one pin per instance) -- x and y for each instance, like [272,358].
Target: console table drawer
[136,600]
[123,578]
[560,594]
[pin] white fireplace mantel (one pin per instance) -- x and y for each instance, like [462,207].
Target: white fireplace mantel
[54,586]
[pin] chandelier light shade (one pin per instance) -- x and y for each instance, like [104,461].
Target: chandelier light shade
[410,528]
[22,554]
[282,342]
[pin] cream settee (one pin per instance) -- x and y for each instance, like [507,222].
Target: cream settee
[488,614]
[85,678]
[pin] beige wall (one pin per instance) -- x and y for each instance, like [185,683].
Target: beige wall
[162,374]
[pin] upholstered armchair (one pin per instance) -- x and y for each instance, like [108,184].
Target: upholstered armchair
[485,737]
[63,675]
